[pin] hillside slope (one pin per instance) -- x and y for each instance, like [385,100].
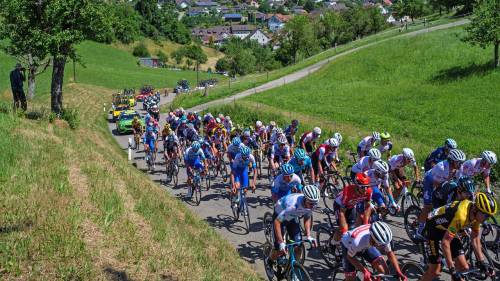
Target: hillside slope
[73,208]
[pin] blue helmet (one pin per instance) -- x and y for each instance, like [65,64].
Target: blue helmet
[466,184]
[245,151]
[195,145]
[287,169]
[149,129]
[299,154]
[236,141]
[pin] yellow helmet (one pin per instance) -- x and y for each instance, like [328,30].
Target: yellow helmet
[167,126]
[135,118]
[486,204]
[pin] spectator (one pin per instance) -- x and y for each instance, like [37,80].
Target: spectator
[17,77]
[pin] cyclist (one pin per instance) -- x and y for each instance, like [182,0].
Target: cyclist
[228,124]
[367,143]
[442,227]
[248,140]
[300,162]
[150,142]
[190,133]
[171,147]
[338,136]
[290,132]
[239,171]
[207,149]
[379,177]
[366,162]
[234,148]
[482,165]
[136,129]
[435,177]
[440,154]
[451,191]
[385,145]
[280,152]
[285,183]
[364,241]
[194,158]
[308,140]
[320,158]
[165,131]
[346,202]
[260,132]
[218,141]
[270,129]
[287,212]
[397,164]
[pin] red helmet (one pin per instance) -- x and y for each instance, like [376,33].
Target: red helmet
[361,179]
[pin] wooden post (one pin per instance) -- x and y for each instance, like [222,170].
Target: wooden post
[74,71]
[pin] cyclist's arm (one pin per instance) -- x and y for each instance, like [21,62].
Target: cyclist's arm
[476,245]
[446,246]
[308,222]
[356,263]
[367,212]
[343,227]
[277,231]
[394,261]
[487,182]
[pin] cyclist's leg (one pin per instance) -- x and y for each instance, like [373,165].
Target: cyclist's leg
[458,255]
[348,268]
[428,189]
[434,262]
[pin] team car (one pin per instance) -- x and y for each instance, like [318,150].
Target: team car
[124,125]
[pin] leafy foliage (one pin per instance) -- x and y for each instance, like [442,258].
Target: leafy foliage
[141,50]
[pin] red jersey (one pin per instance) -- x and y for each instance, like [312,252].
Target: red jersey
[348,198]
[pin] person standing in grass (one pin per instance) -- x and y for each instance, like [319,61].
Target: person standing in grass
[17,77]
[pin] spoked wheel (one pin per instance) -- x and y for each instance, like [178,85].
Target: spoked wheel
[208,181]
[407,201]
[235,207]
[197,194]
[329,195]
[412,270]
[328,251]
[271,271]
[267,225]
[223,171]
[411,222]
[298,272]
[491,243]
[259,165]
[246,216]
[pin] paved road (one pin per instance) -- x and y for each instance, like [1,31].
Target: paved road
[215,210]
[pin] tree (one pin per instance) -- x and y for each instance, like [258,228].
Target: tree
[127,21]
[141,50]
[195,53]
[411,8]
[162,57]
[177,55]
[222,65]
[484,29]
[298,37]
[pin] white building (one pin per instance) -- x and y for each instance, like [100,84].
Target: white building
[259,36]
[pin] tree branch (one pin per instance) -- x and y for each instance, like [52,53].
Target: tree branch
[47,63]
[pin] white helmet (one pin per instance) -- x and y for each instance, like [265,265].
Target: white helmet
[155,106]
[217,120]
[258,124]
[338,136]
[376,136]
[489,156]
[190,125]
[311,192]
[381,167]
[332,142]
[408,153]
[282,139]
[317,131]
[374,154]
[221,116]
[228,118]
[381,233]
[279,131]
[272,123]
[450,143]
[456,155]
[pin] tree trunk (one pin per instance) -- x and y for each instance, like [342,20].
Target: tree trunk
[497,61]
[31,81]
[56,93]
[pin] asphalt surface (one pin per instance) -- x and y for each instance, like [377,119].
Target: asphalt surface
[215,208]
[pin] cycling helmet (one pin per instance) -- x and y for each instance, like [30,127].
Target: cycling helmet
[408,153]
[195,145]
[311,193]
[245,151]
[246,133]
[385,136]
[299,154]
[332,142]
[217,120]
[190,125]
[381,233]
[228,118]
[361,179]
[456,155]
[317,131]
[221,116]
[279,131]
[166,126]
[381,167]
[236,141]
[258,124]
[486,204]
[376,136]
[295,122]
[450,143]
[374,154]
[201,139]
[282,139]
[466,184]
[489,156]
[338,136]
[287,169]
[272,123]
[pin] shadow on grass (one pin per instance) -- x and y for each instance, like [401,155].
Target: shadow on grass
[462,72]
[116,275]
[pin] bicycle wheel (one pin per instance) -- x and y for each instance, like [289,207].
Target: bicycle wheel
[298,272]
[223,172]
[330,194]
[407,201]
[411,222]
[246,215]
[235,207]
[267,225]
[197,193]
[259,165]
[412,270]
[324,237]
[490,241]
[175,173]
[208,181]
[348,171]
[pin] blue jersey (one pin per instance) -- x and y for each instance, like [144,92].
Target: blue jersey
[191,155]
[299,168]
[282,188]
[436,156]
[290,131]
[240,165]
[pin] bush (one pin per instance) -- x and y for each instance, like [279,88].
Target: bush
[71,116]
[141,50]
[5,107]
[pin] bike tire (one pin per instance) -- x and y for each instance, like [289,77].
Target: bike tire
[412,270]
[332,194]
[267,226]
[348,171]
[246,217]
[197,194]
[298,272]
[235,208]
[224,173]
[491,243]
[408,200]
[411,222]
[208,181]
[324,236]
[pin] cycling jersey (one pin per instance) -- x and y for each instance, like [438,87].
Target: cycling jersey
[260,131]
[375,181]
[228,124]
[365,144]
[233,150]
[274,137]
[282,188]
[472,168]
[398,161]
[323,152]
[171,141]
[441,172]
[191,134]
[349,198]
[291,207]
[191,155]
[280,153]
[386,147]
[363,165]
[436,156]
[290,130]
[240,164]
[452,218]
[297,169]
[358,240]
[150,139]
[308,137]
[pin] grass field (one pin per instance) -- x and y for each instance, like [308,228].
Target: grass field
[73,208]
[106,66]
[250,81]
[420,89]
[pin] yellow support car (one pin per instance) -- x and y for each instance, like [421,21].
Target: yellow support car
[118,109]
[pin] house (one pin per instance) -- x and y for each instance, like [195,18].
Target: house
[276,3]
[260,17]
[253,3]
[196,11]
[149,62]
[383,10]
[182,4]
[217,39]
[335,6]
[259,36]
[232,17]
[206,4]
[277,21]
[387,2]
[242,31]
[212,31]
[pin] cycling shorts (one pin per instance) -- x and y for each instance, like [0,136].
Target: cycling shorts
[309,147]
[428,189]
[241,176]
[290,140]
[291,228]
[377,196]
[456,247]
[195,164]
[370,255]
[150,143]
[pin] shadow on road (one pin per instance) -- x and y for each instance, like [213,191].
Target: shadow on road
[227,222]
[251,251]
